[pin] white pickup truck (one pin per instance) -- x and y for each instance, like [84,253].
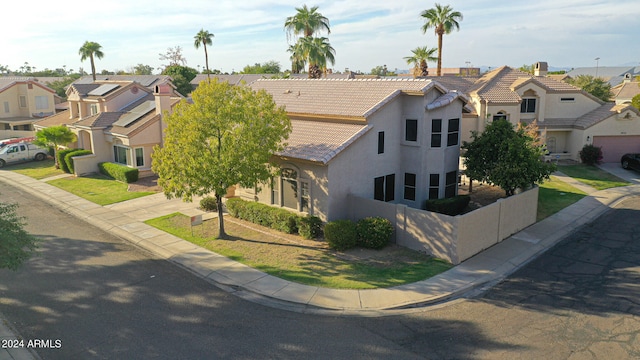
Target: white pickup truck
[21,152]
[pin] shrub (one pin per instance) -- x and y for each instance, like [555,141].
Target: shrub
[209,203]
[591,154]
[309,227]
[450,206]
[119,172]
[262,214]
[68,158]
[61,155]
[374,232]
[235,206]
[341,234]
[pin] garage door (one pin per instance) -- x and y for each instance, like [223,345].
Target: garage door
[613,147]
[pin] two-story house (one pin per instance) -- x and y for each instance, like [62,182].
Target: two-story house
[23,101]
[119,121]
[391,140]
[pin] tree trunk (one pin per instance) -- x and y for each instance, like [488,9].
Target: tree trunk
[439,70]
[93,68]
[206,60]
[222,234]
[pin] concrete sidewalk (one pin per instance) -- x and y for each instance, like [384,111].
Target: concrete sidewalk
[489,267]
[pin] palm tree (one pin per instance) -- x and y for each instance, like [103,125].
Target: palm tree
[421,55]
[90,50]
[306,22]
[443,19]
[203,37]
[298,60]
[317,52]
[54,137]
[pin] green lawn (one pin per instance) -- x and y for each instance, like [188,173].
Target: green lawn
[556,195]
[305,261]
[98,189]
[592,176]
[36,169]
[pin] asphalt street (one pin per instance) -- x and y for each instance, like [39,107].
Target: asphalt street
[104,299]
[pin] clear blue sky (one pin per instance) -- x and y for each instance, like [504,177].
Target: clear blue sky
[564,33]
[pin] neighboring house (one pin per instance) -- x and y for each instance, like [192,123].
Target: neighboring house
[614,75]
[236,79]
[624,92]
[119,121]
[391,140]
[567,117]
[23,101]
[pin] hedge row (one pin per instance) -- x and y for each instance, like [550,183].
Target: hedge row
[68,158]
[279,219]
[450,206]
[61,154]
[119,172]
[370,232]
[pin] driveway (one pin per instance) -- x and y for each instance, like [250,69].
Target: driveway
[617,170]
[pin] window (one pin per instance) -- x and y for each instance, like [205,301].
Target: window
[275,198]
[381,142]
[411,130]
[409,186]
[453,131]
[6,106]
[528,106]
[94,109]
[23,101]
[289,188]
[305,196]
[450,185]
[500,115]
[384,187]
[436,132]
[120,155]
[434,186]
[42,102]
[139,157]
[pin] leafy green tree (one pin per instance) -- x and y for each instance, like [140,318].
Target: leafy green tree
[181,76]
[382,71]
[203,37]
[527,68]
[60,86]
[421,55]
[443,19]
[507,157]
[595,86]
[226,137]
[635,101]
[54,137]
[142,69]
[91,50]
[269,67]
[17,245]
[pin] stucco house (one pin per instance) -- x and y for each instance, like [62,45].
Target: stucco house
[614,75]
[390,140]
[119,121]
[22,102]
[567,117]
[624,92]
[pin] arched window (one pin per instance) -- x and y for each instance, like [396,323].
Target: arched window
[500,115]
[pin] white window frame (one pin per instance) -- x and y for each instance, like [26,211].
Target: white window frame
[135,152]
[127,155]
[23,101]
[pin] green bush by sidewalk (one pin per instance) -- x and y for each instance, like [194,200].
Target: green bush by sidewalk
[119,172]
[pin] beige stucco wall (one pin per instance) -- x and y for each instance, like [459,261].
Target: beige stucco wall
[557,109]
[12,96]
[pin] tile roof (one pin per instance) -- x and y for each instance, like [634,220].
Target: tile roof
[626,90]
[355,98]
[320,141]
[61,118]
[8,81]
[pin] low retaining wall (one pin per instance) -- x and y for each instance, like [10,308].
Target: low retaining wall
[452,238]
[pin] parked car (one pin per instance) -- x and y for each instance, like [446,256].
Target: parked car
[21,152]
[630,161]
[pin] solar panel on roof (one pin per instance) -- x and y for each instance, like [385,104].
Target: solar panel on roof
[103,89]
[136,113]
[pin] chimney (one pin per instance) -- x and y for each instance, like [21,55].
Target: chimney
[162,94]
[627,78]
[541,69]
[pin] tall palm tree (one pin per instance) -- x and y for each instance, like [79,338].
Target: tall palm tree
[90,50]
[306,22]
[421,55]
[317,52]
[203,37]
[443,19]
[298,60]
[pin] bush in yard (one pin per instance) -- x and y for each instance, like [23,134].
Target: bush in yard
[450,206]
[341,234]
[209,203]
[262,214]
[61,155]
[374,232]
[119,172]
[235,206]
[68,158]
[309,227]
[591,154]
